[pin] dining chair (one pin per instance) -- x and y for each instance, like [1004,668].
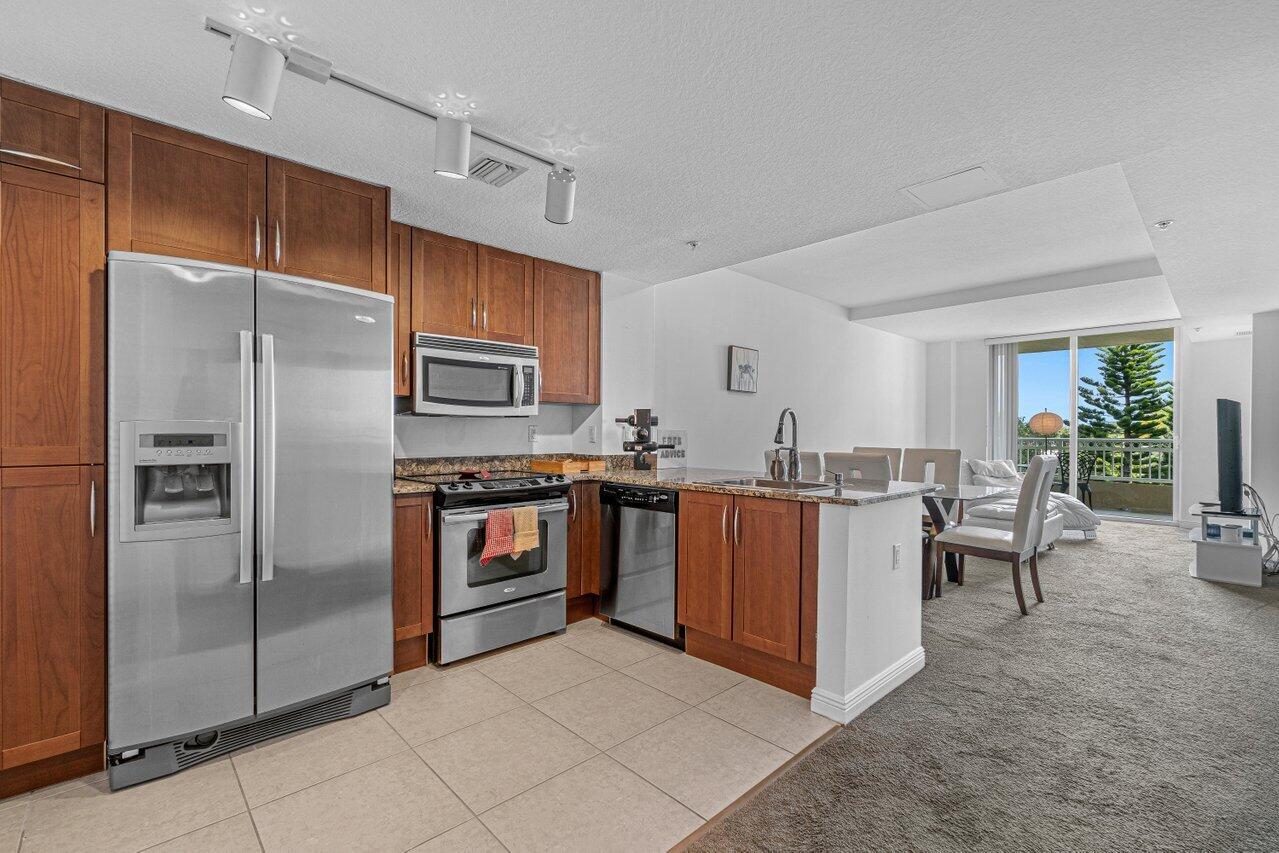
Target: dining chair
[1014,546]
[945,463]
[810,463]
[894,455]
[864,466]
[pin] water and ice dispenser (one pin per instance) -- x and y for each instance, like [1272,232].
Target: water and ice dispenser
[178,479]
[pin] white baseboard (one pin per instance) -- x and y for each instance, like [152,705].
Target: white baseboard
[843,709]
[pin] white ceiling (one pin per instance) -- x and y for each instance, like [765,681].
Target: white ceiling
[756,127]
[752,126]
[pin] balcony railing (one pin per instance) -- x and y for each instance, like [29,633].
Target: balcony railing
[1121,460]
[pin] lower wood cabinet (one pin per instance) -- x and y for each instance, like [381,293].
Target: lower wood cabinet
[413,584]
[740,569]
[52,612]
[583,541]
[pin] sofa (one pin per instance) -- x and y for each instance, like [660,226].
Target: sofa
[1064,512]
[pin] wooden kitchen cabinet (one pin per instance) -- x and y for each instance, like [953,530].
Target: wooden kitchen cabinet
[567,324]
[505,288]
[51,132]
[445,300]
[399,278]
[52,287]
[52,612]
[766,575]
[583,541]
[325,226]
[704,593]
[181,194]
[413,580]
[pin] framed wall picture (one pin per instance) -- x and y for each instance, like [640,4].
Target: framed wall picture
[743,369]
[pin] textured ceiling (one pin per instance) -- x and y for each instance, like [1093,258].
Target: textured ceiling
[753,127]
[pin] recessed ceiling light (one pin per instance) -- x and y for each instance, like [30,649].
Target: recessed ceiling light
[459,94]
[466,112]
[291,36]
[273,39]
[1163,224]
[438,104]
[472,105]
[449,112]
[258,10]
[242,16]
[249,29]
[442,95]
[285,21]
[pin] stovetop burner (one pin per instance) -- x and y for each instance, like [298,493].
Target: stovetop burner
[497,487]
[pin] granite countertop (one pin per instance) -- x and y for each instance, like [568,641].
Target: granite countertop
[854,493]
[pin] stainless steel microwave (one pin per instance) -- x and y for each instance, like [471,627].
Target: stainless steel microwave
[465,376]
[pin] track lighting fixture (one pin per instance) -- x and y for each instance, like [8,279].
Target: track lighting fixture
[452,147]
[561,185]
[253,80]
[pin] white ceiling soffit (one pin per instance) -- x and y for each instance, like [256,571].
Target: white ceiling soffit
[1093,306]
[732,123]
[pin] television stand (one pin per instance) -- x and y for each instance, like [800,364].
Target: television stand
[1217,557]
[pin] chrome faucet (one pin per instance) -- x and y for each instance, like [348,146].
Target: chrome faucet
[793,467]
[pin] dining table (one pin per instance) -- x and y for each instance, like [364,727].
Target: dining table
[946,510]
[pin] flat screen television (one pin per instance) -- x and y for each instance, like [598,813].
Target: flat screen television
[1229,456]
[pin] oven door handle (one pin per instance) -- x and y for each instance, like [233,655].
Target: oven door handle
[469,515]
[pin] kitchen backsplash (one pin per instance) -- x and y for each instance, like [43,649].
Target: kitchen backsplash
[560,429]
[488,462]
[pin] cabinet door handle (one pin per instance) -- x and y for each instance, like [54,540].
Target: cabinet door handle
[277,242]
[257,237]
[572,506]
[472,312]
[723,524]
[93,509]
[404,366]
[737,525]
[13,152]
[484,309]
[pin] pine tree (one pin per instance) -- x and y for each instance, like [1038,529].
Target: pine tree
[1129,400]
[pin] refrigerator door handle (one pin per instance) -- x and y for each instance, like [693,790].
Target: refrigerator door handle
[266,507]
[246,456]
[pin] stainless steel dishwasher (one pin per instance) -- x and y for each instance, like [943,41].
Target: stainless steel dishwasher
[637,558]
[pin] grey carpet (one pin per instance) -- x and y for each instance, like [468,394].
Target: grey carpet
[1135,709]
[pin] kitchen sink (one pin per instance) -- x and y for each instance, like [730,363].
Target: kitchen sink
[765,483]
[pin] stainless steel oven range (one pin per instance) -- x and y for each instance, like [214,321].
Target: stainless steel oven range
[484,607]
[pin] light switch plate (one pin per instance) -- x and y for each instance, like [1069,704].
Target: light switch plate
[532,432]
[897,556]
[592,435]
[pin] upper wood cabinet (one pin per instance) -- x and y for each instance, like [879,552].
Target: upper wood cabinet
[50,132]
[52,594]
[766,575]
[325,226]
[176,193]
[399,277]
[445,297]
[567,324]
[52,287]
[505,289]
[705,563]
[583,540]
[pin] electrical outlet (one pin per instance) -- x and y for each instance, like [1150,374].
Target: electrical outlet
[592,434]
[897,556]
[532,433]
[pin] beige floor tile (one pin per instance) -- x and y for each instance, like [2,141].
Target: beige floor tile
[233,835]
[494,760]
[542,670]
[90,817]
[610,709]
[282,767]
[433,709]
[684,676]
[12,817]
[391,805]
[777,716]
[579,627]
[613,647]
[470,837]
[401,681]
[598,805]
[700,760]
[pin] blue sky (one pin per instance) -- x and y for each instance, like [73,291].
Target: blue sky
[1044,379]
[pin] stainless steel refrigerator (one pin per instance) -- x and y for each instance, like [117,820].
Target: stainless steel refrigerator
[250,443]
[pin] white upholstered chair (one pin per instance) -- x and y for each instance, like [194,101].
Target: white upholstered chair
[864,466]
[894,455]
[945,462]
[1014,546]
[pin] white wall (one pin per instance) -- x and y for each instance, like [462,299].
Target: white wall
[849,384]
[557,428]
[627,355]
[1265,407]
[1208,370]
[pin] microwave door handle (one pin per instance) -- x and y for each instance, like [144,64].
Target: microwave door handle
[517,380]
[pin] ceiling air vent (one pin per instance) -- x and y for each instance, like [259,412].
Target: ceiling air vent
[495,172]
[1243,333]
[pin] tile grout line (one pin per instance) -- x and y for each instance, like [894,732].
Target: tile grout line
[465,807]
[253,823]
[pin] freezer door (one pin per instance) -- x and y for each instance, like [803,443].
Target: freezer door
[179,601]
[325,467]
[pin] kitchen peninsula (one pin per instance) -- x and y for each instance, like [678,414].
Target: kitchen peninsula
[816,591]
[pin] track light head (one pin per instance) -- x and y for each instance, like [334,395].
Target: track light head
[561,185]
[253,80]
[452,148]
